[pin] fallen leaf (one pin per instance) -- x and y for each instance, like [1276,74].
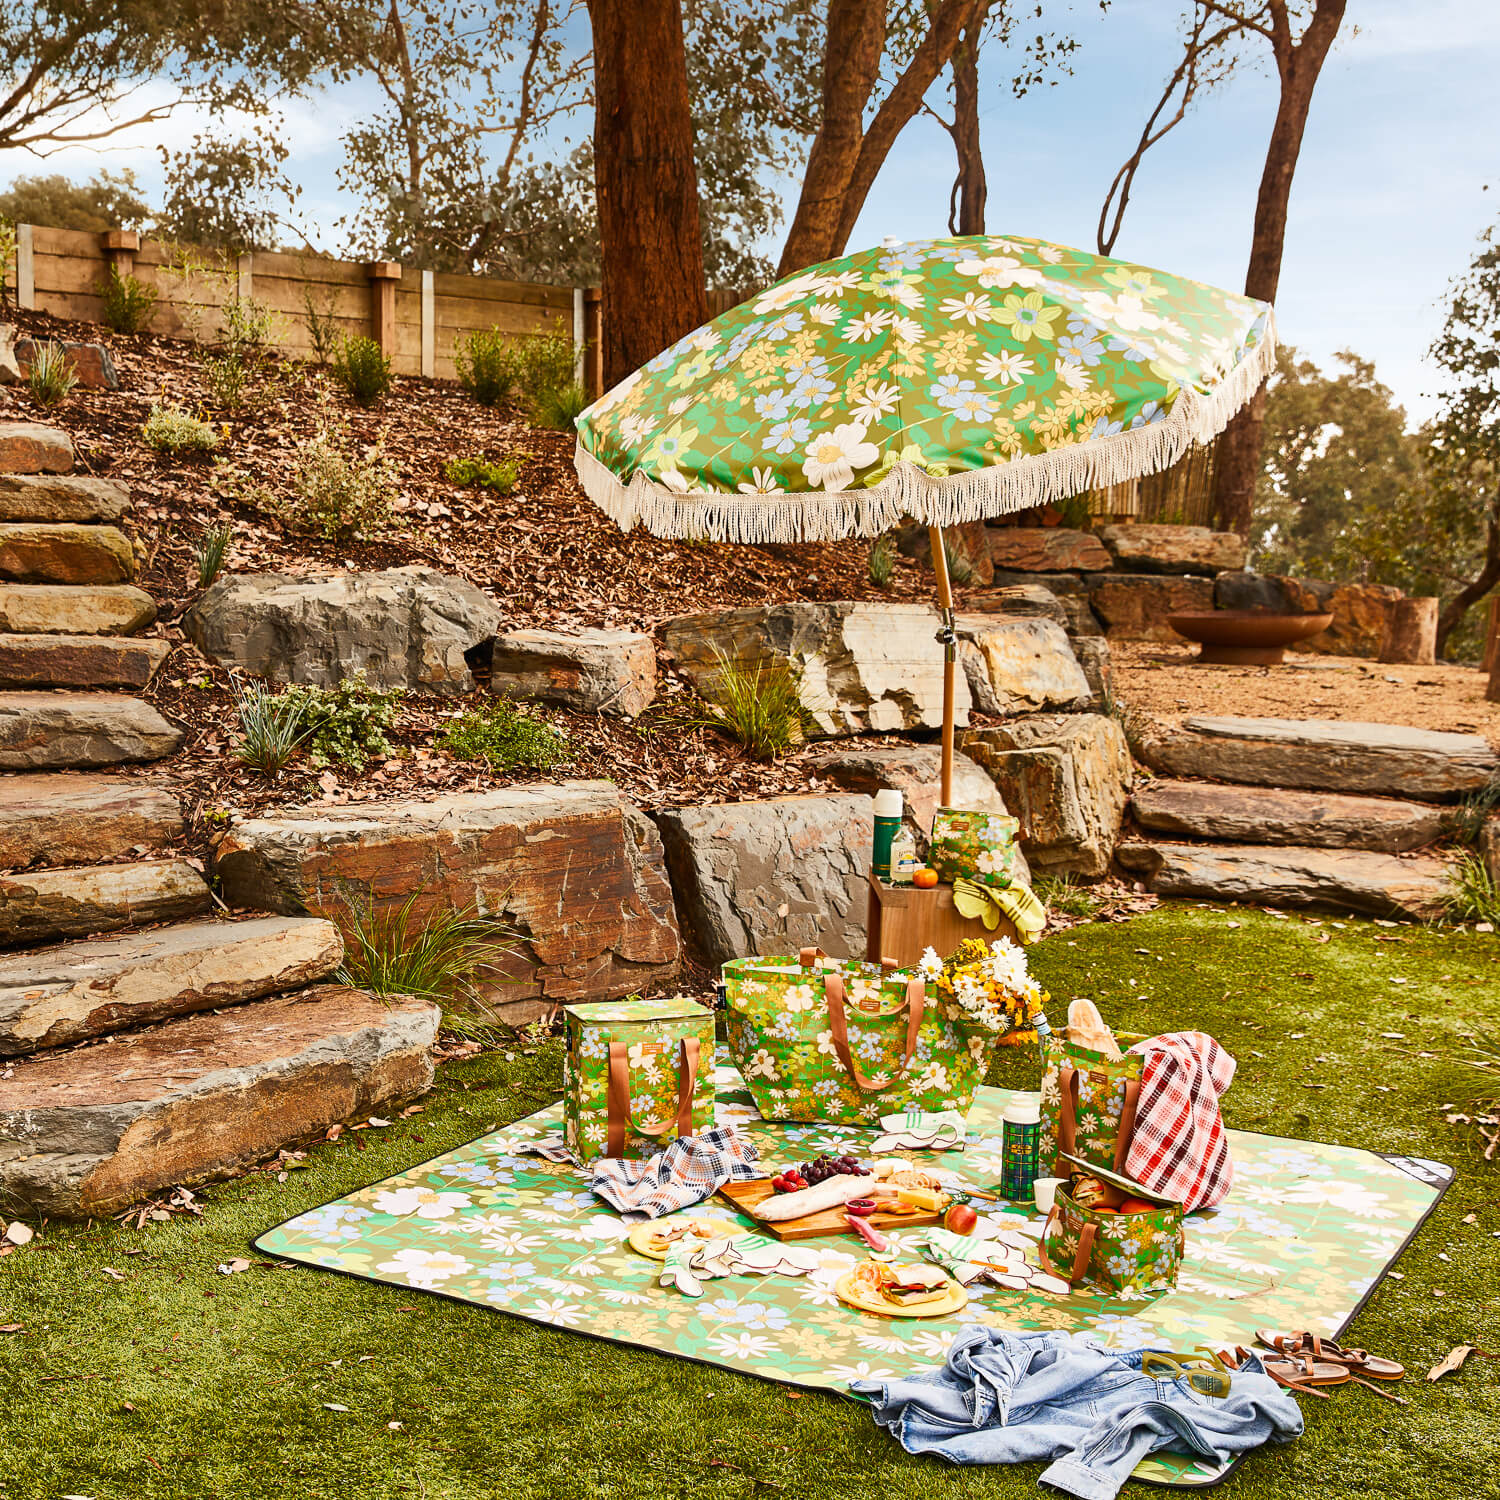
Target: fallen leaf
[20,1234]
[378,1123]
[12,1328]
[333,1406]
[229,1267]
[113,1274]
[1469,1219]
[393,1427]
[1454,1359]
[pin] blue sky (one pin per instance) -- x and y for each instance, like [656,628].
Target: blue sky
[1390,192]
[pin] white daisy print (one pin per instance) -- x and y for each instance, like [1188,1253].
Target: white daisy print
[833,456]
[425,1268]
[425,1203]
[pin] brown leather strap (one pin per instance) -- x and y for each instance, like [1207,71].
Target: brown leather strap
[1067,1119]
[1127,1122]
[618,1097]
[1081,1256]
[807,957]
[838,1023]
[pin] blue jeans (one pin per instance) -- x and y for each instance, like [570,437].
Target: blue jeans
[1004,1398]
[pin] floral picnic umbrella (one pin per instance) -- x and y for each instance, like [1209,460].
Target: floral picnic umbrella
[941,380]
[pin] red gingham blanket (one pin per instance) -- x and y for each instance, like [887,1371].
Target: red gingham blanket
[1178,1147]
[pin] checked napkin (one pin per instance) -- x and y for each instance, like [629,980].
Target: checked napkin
[687,1172]
[1178,1149]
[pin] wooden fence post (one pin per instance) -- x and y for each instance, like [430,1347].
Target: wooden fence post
[580,339]
[1411,632]
[1492,635]
[384,274]
[120,246]
[25,267]
[593,380]
[429,325]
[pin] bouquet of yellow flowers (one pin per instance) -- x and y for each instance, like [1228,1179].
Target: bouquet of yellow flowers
[990,983]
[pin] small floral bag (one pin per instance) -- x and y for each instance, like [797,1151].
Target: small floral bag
[840,1040]
[976,846]
[1132,1254]
[637,1074]
[1088,1103]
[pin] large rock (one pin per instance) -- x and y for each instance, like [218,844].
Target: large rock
[64,820]
[1140,548]
[69,661]
[736,864]
[10,371]
[1352,880]
[1489,847]
[1361,611]
[574,870]
[43,906]
[1066,777]
[61,552]
[864,666]
[1323,820]
[32,448]
[1047,549]
[53,996]
[93,365]
[90,1130]
[404,627]
[593,671]
[1135,606]
[1321,755]
[1093,656]
[61,497]
[1026,601]
[58,609]
[968,547]
[75,731]
[1019,666]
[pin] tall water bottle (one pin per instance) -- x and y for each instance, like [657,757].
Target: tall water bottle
[889,807]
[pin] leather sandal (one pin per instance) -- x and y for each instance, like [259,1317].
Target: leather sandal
[1303,1374]
[1356,1361]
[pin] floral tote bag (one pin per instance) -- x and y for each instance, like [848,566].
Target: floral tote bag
[976,846]
[1134,1255]
[1088,1103]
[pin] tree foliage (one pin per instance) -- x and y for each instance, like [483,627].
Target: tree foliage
[109,200]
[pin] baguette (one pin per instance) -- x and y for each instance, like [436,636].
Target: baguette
[832,1193]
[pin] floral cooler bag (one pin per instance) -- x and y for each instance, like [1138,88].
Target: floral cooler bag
[1133,1254]
[637,1075]
[1088,1104]
[840,1040]
[976,846]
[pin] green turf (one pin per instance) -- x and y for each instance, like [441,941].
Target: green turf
[178,1381]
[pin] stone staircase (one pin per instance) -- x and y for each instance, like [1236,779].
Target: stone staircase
[143,1041]
[1300,812]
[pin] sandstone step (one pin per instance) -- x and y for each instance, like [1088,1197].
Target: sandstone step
[63,819]
[1323,820]
[34,448]
[44,906]
[61,497]
[63,609]
[61,552]
[71,661]
[1321,755]
[1347,880]
[89,1130]
[53,996]
[75,731]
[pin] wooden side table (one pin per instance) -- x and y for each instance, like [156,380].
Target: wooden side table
[904,921]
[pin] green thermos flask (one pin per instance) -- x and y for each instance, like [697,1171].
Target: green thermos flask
[889,806]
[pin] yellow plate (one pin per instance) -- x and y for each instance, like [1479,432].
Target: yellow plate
[718,1228]
[956,1299]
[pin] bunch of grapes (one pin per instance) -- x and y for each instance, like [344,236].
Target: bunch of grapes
[832,1166]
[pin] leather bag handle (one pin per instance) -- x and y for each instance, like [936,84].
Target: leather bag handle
[1081,1256]
[618,1097]
[1067,1119]
[838,1021]
[808,957]
[1127,1122]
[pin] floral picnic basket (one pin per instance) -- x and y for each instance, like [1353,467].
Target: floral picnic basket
[1132,1254]
[976,846]
[637,1074]
[1088,1102]
[844,1041]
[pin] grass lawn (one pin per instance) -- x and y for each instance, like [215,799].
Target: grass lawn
[174,1380]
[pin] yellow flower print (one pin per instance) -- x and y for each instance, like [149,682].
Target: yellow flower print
[908,360]
[760,359]
[953,351]
[666,449]
[689,372]
[1138,283]
[723,389]
[1028,317]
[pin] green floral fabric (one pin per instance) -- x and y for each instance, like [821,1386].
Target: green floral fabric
[937,358]
[975,846]
[1307,1232]
[1101,1100]
[780,1038]
[1133,1253]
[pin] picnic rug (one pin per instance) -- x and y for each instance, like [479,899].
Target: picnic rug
[1302,1241]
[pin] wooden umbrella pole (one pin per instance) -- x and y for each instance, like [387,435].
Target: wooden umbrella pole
[950,657]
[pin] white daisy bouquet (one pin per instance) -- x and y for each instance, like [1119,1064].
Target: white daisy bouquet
[990,983]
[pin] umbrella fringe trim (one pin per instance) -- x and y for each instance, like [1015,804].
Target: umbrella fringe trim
[909,492]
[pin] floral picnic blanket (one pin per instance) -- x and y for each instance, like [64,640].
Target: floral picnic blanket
[1304,1237]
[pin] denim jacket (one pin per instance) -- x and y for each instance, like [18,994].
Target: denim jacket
[1012,1397]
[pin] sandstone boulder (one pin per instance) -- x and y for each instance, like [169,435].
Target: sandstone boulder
[70,661]
[1142,548]
[968,551]
[64,820]
[32,448]
[573,870]
[592,671]
[1361,611]
[1323,820]
[864,666]
[1027,601]
[90,1130]
[735,865]
[44,906]
[404,627]
[1350,880]
[1047,549]
[1390,760]
[1066,777]
[75,731]
[52,996]
[1093,656]
[10,371]
[93,364]
[61,497]
[1019,666]
[60,552]
[1135,606]
[58,609]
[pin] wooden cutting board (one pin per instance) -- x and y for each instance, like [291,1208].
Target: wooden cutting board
[829,1221]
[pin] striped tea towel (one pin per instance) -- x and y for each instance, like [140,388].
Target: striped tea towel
[688,1171]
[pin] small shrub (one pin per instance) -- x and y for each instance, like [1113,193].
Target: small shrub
[271,729]
[212,548]
[546,363]
[1075,513]
[173,431]
[322,324]
[1466,821]
[1473,893]
[338,493]
[508,738]
[1061,893]
[240,352]
[500,477]
[761,707]
[559,409]
[495,367]
[128,302]
[882,561]
[7,256]
[346,724]
[226,378]
[51,377]
[362,370]
[486,366]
